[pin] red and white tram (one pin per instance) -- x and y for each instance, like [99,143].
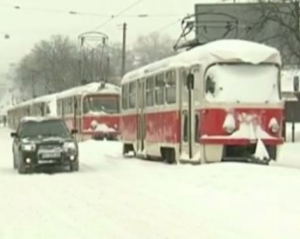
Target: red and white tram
[93,109]
[219,101]
[40,106]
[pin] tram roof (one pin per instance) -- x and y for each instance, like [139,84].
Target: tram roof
[89,88]
[229,50]
[43,98]
[93,87]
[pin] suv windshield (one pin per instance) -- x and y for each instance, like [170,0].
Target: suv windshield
[44,128]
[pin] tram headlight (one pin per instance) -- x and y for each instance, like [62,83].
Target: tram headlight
[229,123]
[274,126]
[94,124]
[229,129]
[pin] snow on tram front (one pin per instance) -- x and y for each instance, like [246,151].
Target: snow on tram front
[219,101]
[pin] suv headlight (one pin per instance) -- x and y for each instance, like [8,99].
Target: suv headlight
[70,146]
[28,147]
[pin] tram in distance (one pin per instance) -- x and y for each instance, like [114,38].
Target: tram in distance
[216,102]
[40,106]
[92,109]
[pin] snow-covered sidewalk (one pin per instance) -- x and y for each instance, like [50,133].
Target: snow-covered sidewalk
[112,197]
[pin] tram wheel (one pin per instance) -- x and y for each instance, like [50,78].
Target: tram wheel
[168,155]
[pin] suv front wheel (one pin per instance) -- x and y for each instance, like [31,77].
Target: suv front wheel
[22,168]
[14,161]
[74,166]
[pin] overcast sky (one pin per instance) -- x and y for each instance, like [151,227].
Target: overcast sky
[39,19]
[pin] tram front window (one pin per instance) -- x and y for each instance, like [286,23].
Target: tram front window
[242,83]
[105,105]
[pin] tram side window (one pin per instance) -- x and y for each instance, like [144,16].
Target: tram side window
[75,105]
[42,109]
[171,87]
[66,105]
[78,100]
[48,109]
[149,91]
[159,89]
[132,95]
[125,97]
[69,106]
[58,108]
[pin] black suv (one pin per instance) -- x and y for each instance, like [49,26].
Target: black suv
[44,140]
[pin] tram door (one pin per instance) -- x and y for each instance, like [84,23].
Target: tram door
[190,98]
[141,119]
[77,116]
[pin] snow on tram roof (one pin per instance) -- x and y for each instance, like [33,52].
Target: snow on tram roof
[89,88]
[39,118]
[216,51]
[43,98]
[93,87]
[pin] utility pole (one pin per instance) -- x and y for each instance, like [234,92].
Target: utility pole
[124,50]
[298,18]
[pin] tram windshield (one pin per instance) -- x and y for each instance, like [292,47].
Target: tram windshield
[101,104]
[242,83]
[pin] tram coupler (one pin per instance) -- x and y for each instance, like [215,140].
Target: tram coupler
[248,159]
[255,160]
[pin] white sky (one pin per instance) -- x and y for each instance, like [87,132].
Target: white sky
[31,23]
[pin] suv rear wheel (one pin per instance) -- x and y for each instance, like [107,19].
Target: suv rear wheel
[14,161]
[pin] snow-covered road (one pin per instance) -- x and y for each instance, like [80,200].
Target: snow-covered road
[113,197]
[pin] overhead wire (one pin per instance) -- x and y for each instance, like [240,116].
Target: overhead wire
[82,13]
[19,7]
[118,14]
[111,16]
[168,25]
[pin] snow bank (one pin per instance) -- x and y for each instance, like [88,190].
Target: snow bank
[98,150]
[288,155]
[114,197]
[289,132]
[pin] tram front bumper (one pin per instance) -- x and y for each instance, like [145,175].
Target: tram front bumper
[239,141]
